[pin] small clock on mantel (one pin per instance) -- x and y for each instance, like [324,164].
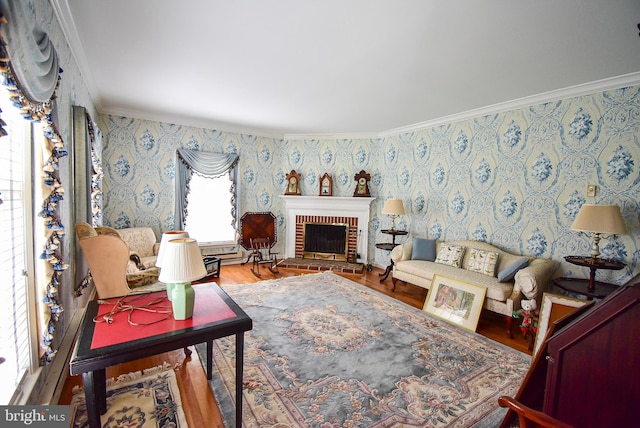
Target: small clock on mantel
[362,184]
[293,183]
[326,185]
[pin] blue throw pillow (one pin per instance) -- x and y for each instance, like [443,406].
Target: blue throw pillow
[507,274]
[423,249]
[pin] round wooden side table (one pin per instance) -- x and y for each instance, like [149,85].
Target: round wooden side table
[388,246]
[589,287]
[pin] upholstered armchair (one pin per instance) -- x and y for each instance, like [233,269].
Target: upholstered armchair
[108,257]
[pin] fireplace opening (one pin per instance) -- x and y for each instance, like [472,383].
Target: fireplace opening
[326,241]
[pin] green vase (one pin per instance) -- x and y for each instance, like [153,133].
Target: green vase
[170,288]
[182,299]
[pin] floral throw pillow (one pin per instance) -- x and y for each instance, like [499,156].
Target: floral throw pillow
[450,255]
[482,262]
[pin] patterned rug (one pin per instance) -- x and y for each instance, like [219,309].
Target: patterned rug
[328,352]
[139,399]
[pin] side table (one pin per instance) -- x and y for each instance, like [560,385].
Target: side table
[386,246]
[589,287]
[212,264]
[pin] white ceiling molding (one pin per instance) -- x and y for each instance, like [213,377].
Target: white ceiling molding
[65,18]
[574,91]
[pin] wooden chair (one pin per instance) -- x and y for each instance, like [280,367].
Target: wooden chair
[261,255]
[530,418]
[107,256]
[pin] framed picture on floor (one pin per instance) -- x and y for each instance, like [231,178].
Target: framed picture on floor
[455,301]
[554,307]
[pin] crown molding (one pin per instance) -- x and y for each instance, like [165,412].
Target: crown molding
[65,18]
[347,136]
[556,95]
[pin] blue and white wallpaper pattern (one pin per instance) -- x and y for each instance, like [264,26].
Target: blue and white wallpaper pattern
[515,179]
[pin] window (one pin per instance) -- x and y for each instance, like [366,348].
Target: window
[206,196]
[207,222]
[18,332]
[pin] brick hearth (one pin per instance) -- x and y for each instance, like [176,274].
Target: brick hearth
[352,222]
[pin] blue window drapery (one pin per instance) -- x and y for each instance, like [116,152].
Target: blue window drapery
[209,165]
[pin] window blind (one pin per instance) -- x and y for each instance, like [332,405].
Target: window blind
[15,337]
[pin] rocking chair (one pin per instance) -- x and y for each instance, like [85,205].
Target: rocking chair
[261,255]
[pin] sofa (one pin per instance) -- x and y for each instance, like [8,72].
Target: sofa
[142,243]
[508,278]
[143,253]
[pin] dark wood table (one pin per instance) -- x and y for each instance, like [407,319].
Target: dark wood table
[102,344]
[589,287]
[388,246]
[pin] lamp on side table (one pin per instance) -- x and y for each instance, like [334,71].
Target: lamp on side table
[394,208]
[597,221]
[166,237]
[600,221]
[181,265]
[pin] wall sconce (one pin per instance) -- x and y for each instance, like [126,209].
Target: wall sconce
[599,221]
[166,237]
[182,263]
[394,208]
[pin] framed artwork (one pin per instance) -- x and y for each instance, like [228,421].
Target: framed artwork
[293,183]
[554,307]
[326,185]
[455,301]
[362,184]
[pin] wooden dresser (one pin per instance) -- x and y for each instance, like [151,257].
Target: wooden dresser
[587,373]
[593,373]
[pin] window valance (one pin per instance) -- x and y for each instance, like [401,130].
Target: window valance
[33,58]
[206,164]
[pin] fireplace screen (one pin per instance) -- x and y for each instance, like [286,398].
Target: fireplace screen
[326,241]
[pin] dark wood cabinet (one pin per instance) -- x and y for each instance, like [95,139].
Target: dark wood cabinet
[592,373]
[586,371]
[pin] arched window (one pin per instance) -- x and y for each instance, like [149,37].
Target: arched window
[207,196]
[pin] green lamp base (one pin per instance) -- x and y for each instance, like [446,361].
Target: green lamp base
[170,288]
[182,300]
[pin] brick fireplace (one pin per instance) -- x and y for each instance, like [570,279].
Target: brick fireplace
[352,233]
[353,211]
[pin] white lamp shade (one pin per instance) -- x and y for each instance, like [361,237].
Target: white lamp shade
[393,206]
[166,237]
[182,262]
[605,219]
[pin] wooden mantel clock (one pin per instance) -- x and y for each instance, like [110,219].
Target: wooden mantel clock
[362,184]
[326,185]
[293,183]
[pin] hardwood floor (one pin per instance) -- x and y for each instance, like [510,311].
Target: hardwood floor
[199,405]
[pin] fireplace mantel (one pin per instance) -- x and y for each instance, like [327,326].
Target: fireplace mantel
[341,206]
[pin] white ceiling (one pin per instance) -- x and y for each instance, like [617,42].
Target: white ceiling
[341,67]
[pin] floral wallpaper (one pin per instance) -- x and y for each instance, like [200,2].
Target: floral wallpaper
[515,179]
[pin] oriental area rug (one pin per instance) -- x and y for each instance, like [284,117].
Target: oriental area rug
[139,399]
[328,352]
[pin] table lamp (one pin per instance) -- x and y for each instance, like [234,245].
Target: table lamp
[166,237]
[394,208]
[182,263]
[599,221]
